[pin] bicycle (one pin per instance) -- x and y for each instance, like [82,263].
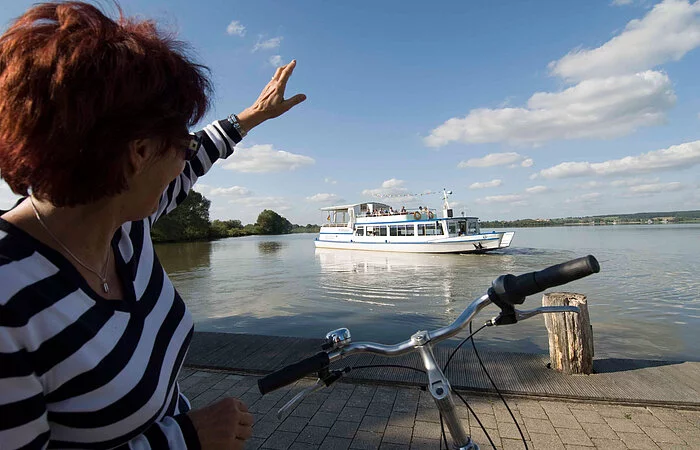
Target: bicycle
[505,292]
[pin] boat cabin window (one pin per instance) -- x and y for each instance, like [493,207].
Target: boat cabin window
[473,227]
[382,231]
[360,231]
[410,230]
[370,231]
[452,227]
[393,230]
[430,229]
[438,228]
[421,229]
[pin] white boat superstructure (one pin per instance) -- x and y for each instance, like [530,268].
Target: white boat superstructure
[377,226]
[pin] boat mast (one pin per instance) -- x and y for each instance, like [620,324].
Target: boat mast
[446,211]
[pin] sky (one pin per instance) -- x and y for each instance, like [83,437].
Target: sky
[523,109]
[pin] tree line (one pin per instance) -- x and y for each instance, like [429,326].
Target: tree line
[190,222]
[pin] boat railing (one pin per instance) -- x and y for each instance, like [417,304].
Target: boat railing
[335,224]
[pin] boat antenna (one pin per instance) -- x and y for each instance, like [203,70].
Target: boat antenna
[445,204]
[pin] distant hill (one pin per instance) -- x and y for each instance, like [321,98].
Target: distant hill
[610,219]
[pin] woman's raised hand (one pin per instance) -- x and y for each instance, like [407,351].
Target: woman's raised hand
[225,424]
[271,102]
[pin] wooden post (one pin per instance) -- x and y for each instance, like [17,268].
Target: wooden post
[570,334]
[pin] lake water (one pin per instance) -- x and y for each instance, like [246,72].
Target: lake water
[645,302]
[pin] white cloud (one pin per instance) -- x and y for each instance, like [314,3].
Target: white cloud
[389,187]
[622,2]
[486,184]
[233,191]
[536,189]
[669,31]
[392,183]
[527,162]
[596,108]
[585,198]
[510,198]
[235,29]
[325,198]
[267,44]
[656,188]
[633,181]
[673,158]
[330,180]
[275,60]
[264,158]
[494,159]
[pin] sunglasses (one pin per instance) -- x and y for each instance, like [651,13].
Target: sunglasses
[194,143]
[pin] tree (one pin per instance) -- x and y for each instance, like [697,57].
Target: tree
[188,222]
[269,222]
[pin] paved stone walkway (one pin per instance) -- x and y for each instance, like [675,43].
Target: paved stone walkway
[350,416]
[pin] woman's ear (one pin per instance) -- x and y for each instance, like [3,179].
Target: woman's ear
[141,152]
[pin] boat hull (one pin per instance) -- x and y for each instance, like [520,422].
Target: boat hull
[480,244]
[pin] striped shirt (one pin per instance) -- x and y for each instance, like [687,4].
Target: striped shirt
[80,371]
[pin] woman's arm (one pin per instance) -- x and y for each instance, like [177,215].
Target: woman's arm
[220,137]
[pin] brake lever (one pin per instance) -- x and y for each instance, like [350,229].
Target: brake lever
[517,315]
[300,395]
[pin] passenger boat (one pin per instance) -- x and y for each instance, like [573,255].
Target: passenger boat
[376,226]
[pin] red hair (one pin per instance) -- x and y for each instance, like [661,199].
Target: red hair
[76,87]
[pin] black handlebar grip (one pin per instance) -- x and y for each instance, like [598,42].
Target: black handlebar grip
[534,282]
[293,372]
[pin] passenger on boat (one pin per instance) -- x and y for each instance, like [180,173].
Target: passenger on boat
[403,210]
[94,136]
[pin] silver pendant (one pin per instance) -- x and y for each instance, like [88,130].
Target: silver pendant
[105,287]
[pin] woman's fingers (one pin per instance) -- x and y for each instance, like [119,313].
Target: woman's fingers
[246,418]
[286,73]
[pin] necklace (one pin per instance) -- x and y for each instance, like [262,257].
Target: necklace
[101,275]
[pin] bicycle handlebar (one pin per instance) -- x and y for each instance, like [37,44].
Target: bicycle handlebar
[512,290]
[506,291]
[293,372]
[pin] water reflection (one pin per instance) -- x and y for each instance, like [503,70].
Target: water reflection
[184,257]
[269,247]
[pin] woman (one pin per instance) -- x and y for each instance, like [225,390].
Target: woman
[93,130]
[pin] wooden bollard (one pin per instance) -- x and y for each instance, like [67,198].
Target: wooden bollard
[570,334]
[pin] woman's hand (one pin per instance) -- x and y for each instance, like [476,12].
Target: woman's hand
[271,102]
[224,425]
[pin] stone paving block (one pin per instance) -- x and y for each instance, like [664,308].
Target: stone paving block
[585,416]
[533,411]
[510,431]
[323,419]
[312,435]
[405,405]
[264,429]
[555,408]
[599,430]
[612,444]
[262,406]
[565,421]
[366,440]
[280,440]
[305,410]
[390,446]
[428,414]
[662,434]
[637,441]
[426,430]
[402,419]
[379,409]
[667,414]
[253,444]
[623,425]
[206,398]
[373,423]
[487,420]
[333,404]
[397,435]
[352,414]
[335,443]
[574,437]
[293,423]
[480,438]
[344,429]
[546,441]
[303,446]
[538,426]
[425,444]
[577,447]
[512,444]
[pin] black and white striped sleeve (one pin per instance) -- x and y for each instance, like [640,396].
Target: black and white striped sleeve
[218,141]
